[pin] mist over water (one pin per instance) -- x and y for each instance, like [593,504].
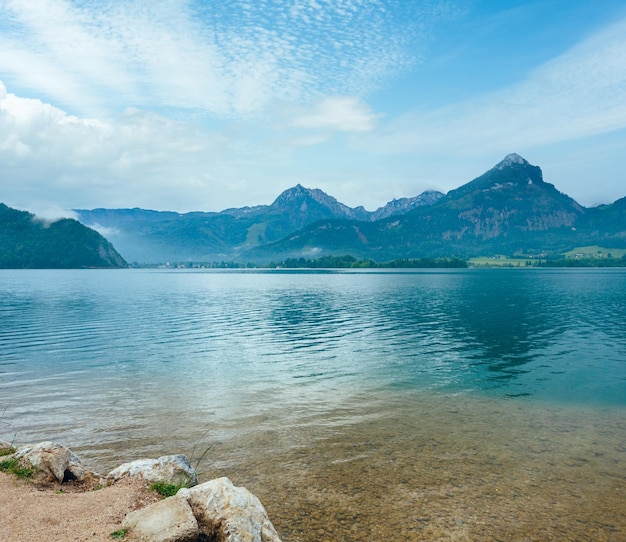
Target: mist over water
[292,375]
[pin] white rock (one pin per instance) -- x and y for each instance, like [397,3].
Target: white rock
[172,469]
[169,520]
[53,460]
[228,513]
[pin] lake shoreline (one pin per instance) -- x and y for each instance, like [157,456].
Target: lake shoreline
[427,470]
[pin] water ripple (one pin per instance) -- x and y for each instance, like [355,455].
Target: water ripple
[223,341]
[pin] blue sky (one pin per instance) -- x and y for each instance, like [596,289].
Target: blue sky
[204,105]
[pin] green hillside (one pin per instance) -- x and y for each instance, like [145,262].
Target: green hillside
[29,243]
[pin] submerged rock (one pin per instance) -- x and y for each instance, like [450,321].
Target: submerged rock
[171,469]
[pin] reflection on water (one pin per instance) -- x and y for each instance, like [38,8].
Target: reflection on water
[514,331]
[485,404]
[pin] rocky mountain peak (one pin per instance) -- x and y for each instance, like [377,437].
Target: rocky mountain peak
[511,159]
[512,175]
[299,196]
[291,194]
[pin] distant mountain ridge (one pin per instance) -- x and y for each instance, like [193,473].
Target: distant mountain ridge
[404,205]
[509,209]
[27,242]
[147,236]
[300,197]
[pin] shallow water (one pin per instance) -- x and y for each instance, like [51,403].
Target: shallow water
[416,466]
[441,468]
[439,405]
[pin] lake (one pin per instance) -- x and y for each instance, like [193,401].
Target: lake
[471,404]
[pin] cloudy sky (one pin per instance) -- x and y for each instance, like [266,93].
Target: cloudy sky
[205,104]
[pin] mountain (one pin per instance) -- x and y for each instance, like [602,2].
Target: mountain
[606,224]
[26,242]
[509,210]
[155,237]
[404,205]
[147,236]
[305,205]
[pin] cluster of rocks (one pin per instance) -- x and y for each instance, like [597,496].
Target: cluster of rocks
[216,510]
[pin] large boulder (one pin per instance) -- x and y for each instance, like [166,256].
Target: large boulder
[54,462]
[216,511]
[169,520]
[171,469]
[227,513]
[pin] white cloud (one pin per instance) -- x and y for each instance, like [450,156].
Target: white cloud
[229,59]
[105,231]
[579,94]
[49,158]
[58,48]
[48,155]
[342,113]
[48,213]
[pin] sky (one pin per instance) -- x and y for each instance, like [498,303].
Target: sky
[190,105]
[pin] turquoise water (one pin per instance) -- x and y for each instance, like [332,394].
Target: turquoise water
[263,365]
[232,342]
[556,335]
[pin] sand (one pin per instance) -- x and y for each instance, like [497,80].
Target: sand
[54,513]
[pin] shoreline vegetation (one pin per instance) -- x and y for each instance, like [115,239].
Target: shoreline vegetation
[585,257]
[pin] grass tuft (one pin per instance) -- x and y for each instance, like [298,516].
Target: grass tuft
[12,465]
[118,535]
[164,489]
[199,460]
[7,451]
[202,456]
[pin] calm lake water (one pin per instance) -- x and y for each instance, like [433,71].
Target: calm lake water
[421,405]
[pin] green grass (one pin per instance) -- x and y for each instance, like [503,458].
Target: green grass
[499,261]
[12,465]
[595,251]
[164,489]
[7,451]
[256,234]
[118,535]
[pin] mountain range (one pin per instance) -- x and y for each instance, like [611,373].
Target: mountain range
[508,210]
[147,236]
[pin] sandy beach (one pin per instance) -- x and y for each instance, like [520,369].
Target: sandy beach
[55,513]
